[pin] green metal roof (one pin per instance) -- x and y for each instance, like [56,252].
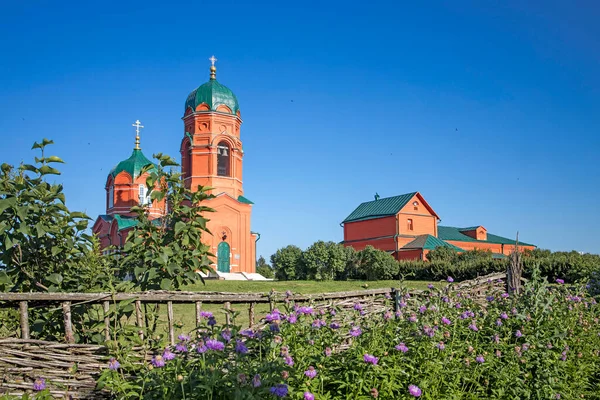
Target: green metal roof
[452,233]
[244,200]
[213,94]
[428,242]
[498,256]
[379,208]
[133,165]
[125,222]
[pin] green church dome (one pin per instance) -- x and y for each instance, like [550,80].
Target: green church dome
[133,165]
[213,94]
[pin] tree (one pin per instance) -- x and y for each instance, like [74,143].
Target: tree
[168,253]
[263,268]
[379,264]
[287,263]
[324,260]
[43,245]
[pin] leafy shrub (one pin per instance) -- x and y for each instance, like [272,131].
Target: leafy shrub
[323,261]
[542,345]
[264,269]
[287,263]
[378,264]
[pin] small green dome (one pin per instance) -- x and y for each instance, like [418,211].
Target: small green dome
[133,165]
[213,94]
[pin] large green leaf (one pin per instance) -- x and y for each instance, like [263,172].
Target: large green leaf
[55,278]
[166,283]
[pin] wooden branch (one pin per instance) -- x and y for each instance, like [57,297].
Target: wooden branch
[24,319]
[69,336]
[106,321]
[138,318]
[227,313]
[170,321]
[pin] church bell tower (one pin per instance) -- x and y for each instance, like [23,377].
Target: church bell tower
[212,155]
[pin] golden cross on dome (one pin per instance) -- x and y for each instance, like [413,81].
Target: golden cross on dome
[137,125]
[212,59]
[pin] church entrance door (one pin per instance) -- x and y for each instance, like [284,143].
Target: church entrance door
[223,254]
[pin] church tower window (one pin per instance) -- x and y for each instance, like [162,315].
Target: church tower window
[111,197]
[223,159]
[143,195]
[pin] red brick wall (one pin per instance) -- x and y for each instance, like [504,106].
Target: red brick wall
[370,228]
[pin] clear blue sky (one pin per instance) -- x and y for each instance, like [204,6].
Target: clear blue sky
[491,109]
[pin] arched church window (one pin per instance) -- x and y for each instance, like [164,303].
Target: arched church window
[111,197]
[143,195]
[223,159]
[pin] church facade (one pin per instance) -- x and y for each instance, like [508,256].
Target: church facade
[407,227]
[211,156]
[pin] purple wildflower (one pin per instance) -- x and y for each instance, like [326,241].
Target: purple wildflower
[355,331]
[498,322]
[473,327]
[358,307]
[489,298]
[288,360]
[430,286]
[446,321]
[215,345]
[212,321]
[226,334]
[560,281]
[369,359]
[401,347]
[332,313]
[387,315]
[334,325]
[279,390]
[292,319]
[328,351]
[240,347]
[39,384]
[505,295]
[518,333]
[458,305]
[201,348]
[183,338]
[113,364]
[414,390]
[504,315]
[272,317]
[288,293]
[480,359]
[181,347]
[206,314]
[412,318]
[168,355]
[450,279]
[422,309]
[311,372]
[440,346]
[256,380]
[158,361]
[248,333]
[309,396]
[402,304]
[305,310]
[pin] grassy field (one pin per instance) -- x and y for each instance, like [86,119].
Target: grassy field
[185,313]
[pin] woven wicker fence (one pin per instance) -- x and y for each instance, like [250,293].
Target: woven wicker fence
[71,369]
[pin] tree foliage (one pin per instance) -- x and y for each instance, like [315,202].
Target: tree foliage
[43,245]
[168,253]
[324,261]
[287,263]
[264,269]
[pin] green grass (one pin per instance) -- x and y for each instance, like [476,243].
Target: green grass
[298,287]
[184,314]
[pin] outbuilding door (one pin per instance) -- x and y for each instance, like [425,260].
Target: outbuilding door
[223,254]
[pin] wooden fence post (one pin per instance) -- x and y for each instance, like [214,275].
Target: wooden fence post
[227,313]
[251,315]
[106,321]
[138,318]
[170,318]
[23,308]
[396,295]
[198,316]
[69,336]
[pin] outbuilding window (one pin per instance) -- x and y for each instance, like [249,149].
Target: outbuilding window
[410,224]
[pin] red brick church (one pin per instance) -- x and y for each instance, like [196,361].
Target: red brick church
[211,155]
[407,227]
